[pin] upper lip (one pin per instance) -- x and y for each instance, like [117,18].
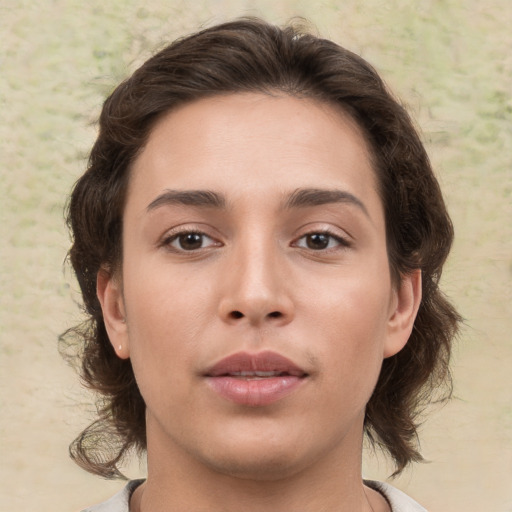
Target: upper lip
[251,363]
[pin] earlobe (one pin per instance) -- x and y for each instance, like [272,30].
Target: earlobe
[403,313]
[109,291]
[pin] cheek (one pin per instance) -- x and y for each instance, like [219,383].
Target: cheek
[165,315]
[162,296]
[351,326]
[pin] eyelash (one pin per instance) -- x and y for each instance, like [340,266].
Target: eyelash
[168,241]
[176,236]
[340,241]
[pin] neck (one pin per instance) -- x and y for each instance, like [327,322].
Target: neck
[176,481]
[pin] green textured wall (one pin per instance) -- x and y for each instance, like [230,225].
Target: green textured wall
[450,61]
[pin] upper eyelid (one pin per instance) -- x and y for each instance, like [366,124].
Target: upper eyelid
[314,227]
[338,233]
[198,228]
[173,236]
[173,233]
[327,231]
[345,241]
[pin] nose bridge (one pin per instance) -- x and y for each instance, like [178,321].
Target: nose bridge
[255,289]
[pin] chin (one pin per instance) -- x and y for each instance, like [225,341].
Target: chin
[256,466]
[258,457]
[254,450]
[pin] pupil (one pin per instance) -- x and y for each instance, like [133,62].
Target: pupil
[317,241]
[191,241]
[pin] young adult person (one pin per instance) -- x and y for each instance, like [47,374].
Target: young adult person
[258,238]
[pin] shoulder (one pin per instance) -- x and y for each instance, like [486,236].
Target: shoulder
[120,502]
[398,500]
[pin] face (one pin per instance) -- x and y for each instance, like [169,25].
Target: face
[255,298]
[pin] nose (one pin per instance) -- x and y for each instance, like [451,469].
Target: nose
[256,289]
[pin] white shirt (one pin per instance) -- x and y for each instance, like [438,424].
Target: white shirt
[398,500]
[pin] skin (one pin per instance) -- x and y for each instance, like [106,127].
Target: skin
[256,278]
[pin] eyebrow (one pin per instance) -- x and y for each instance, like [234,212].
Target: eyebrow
[306,197]
[300,198]
[197,198]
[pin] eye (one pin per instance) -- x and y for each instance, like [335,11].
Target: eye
[320,241]
[189,241]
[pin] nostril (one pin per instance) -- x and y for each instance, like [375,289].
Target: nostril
[236,315]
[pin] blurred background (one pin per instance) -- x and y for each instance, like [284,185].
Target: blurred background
[449,61]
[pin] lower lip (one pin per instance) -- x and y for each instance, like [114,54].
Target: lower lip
[254,392]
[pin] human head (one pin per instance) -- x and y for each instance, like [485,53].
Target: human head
[252,56]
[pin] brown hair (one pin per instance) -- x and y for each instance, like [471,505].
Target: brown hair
[242,56]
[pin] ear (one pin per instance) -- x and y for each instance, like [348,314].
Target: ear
[109,291]
[403,310]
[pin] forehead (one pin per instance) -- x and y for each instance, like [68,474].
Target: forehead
[255,142]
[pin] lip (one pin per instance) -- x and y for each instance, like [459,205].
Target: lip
[255,379]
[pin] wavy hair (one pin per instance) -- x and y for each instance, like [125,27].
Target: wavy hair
[249,55]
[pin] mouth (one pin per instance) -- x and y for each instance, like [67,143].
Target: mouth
[255,379]
[255,375]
